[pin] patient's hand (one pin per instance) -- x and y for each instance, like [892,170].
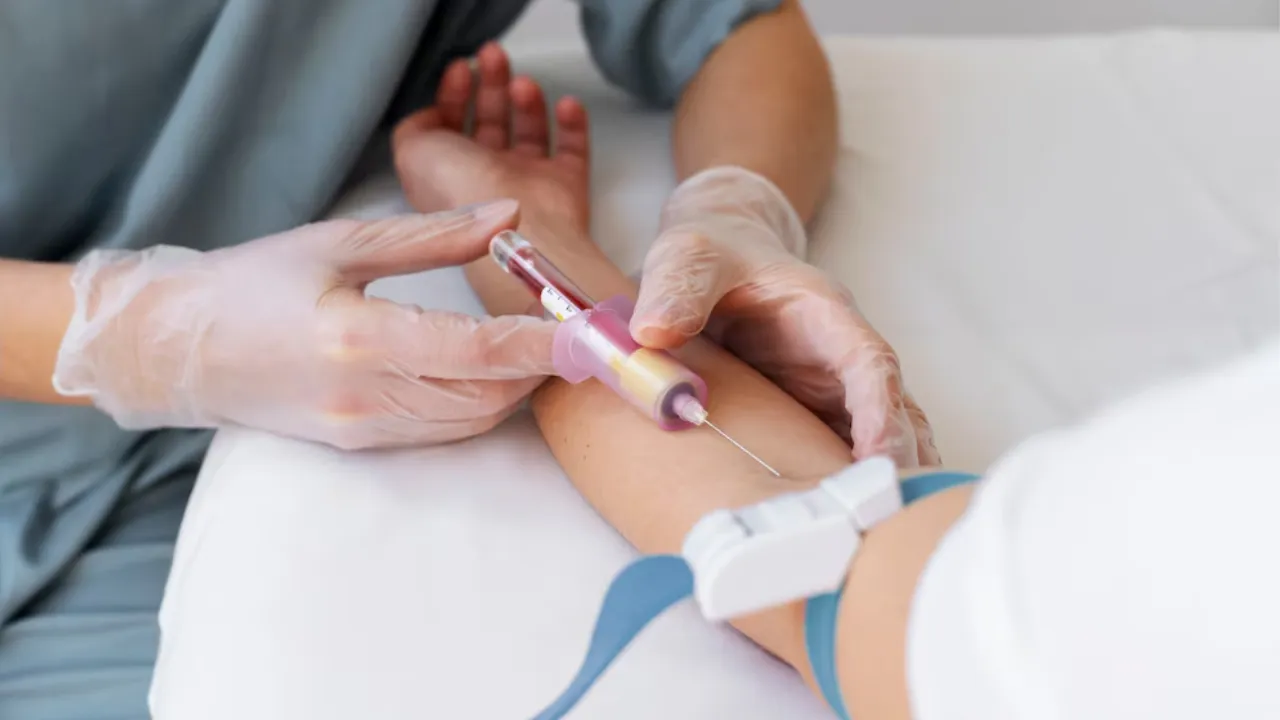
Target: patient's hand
[508,152]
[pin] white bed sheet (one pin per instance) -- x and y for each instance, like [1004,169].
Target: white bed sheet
[461,581]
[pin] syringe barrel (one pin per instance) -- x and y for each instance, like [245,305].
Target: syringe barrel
[595,340]
[557,293]
[598,343]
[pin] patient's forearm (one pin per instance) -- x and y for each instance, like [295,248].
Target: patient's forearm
[653,485]
[36,303]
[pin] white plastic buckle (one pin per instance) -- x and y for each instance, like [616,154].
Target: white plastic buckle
[789,547]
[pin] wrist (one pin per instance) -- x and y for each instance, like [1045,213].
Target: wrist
[36,304]
[555,233]
[568,245]
[123,348]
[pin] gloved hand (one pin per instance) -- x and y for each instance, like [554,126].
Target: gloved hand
[730,243]
[277,334]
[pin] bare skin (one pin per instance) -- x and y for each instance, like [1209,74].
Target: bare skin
[651,485]
[36,303]
[764,100]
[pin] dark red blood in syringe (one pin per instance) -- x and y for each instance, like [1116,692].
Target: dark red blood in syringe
[536,284]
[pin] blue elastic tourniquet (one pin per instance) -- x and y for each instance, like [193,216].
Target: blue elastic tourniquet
[821,611]
[640,593]
[650,585]
[820,642]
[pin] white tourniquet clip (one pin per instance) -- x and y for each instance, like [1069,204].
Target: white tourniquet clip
[735,562]
[789,547]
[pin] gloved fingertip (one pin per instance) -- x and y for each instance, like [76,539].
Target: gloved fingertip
[892,436]
[657,337]
[904,457]
[542,364]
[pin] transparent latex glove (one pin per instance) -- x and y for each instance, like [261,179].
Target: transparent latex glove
[278,334]
[730,242]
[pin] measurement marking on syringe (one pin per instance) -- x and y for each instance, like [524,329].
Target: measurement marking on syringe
[557,304]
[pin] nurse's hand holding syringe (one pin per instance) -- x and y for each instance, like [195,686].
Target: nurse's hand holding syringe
[731,243]
[278,334]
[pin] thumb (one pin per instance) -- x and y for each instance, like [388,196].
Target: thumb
[685,277]
[406,244]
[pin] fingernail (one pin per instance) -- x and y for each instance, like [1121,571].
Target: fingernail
[491,210]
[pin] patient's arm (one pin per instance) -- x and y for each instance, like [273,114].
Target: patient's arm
[763,100]
[649,484]
[653,485]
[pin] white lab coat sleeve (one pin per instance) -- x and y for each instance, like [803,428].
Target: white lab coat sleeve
[1123,569]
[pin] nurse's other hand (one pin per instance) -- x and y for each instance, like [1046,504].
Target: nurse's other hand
[278,334]
[730,242]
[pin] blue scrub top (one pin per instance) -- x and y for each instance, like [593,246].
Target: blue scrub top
[201,123]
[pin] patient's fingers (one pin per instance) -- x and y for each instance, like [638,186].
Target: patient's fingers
[572,137]
[529,127]
[454,95]
[493,99]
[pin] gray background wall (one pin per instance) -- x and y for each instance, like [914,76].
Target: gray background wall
[556,21]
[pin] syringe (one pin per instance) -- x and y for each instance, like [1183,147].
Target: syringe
[594,340]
